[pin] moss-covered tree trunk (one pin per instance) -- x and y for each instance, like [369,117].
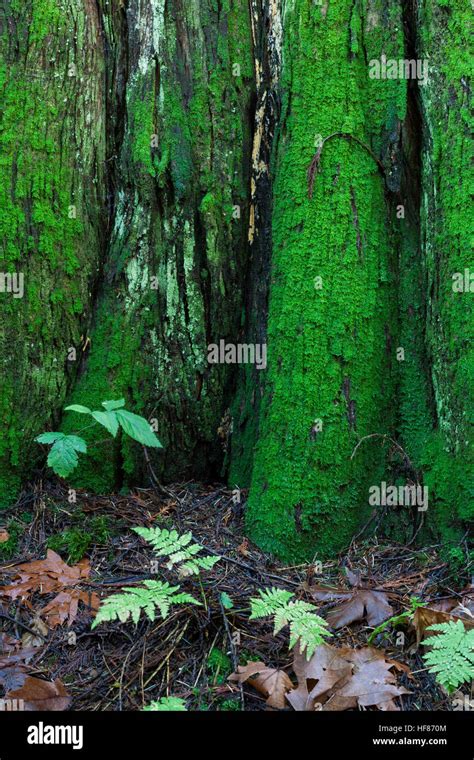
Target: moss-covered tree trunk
[180,83]
[180,172]
[332,316]
[368,342]
[53,212]
[448,263]
[151,139]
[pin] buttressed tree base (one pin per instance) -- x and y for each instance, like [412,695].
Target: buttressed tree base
[285,177]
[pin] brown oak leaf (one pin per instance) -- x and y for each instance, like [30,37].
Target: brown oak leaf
[272,683]
[53,575]
[64,606]
[344,679]
[45,576]
[357,604]
[14,665]
[316,677]
[426,616]
[41,695]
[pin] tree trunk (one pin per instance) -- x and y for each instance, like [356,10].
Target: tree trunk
[446,223]
[171,141]
[178,173]
[53,209]
[332,316]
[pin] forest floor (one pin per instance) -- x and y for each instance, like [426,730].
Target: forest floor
[190,654]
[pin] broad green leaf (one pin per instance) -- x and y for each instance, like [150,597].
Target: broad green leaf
[137,428]
[78,408]
[108,420]
[49,437]
[63,458]
[111,405]
[77,443]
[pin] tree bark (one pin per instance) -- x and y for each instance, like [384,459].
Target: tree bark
[170,132]
[332,317]
[446,224]
[52,210]
[181,172]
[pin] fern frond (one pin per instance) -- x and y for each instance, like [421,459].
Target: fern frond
[306,627]
[166,704]
[271,601]
[132,601]
[178,549]
[194,566]
[452,658]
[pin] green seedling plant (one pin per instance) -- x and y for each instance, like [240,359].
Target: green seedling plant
[402,619]
[63,455]
[166,704]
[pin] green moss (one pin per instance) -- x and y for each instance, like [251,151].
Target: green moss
[75,543]
[329,358]
[50,142]
[447,236]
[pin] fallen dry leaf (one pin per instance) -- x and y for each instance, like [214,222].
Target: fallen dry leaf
[41,695]
[273,684]
[372,683]
[64,606]
[243,548]
[460,606]
[45,576]
[344,679]
[53,575]
[357,605]
[426,616]
[14,666]
[4,535]
[323,672]
[30,639]
[8,644]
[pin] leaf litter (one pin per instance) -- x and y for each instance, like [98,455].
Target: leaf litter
[122,668]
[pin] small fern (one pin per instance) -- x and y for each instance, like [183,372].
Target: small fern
[306,627]
[452,658]
[147,598]
[132,601]
[166,704]
[178,549]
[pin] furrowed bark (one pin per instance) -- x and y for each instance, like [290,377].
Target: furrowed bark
[180,85]
[446,223]
[267,35]
[331,374]
[52,151]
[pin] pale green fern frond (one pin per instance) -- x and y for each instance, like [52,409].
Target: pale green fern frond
[452,658]
[132,601]
[270,602]
[178,549]
[166,704]
[306,627]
